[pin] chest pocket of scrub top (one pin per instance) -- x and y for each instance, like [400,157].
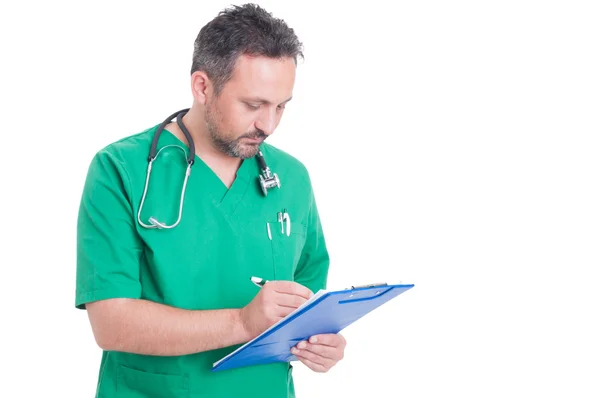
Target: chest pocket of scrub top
[286,249]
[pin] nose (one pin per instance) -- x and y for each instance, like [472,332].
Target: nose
[267,122]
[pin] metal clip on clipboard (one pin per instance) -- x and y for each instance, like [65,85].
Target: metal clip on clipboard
[371,285]
[366,286]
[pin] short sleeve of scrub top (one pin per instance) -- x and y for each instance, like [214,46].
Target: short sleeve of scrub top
[108,247]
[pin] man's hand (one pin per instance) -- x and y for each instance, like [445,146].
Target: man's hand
[321,352]
[275,301]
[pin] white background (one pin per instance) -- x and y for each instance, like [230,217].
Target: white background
[453,145]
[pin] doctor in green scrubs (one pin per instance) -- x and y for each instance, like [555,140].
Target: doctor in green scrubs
[166,303]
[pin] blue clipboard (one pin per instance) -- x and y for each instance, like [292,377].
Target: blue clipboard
[326,312]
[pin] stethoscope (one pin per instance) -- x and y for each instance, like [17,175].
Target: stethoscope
[266,178]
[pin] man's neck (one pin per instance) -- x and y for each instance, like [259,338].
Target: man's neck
[223,165]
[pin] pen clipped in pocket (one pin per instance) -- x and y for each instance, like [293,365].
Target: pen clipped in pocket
[286,249]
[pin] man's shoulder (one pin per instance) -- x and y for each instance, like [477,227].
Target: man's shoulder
[129,145]
[123,157]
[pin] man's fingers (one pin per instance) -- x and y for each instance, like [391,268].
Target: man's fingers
[282,312]
[332,340]
[290,300]
[315,359]
[291,288]
[324,351]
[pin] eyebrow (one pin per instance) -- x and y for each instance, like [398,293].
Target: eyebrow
[264,101]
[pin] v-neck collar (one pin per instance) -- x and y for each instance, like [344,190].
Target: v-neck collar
[224,198]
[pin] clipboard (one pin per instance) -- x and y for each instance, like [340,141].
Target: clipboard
[325,312]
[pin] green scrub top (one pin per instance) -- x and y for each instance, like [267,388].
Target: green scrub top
[203,263]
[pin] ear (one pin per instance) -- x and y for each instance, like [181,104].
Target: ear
[201,87]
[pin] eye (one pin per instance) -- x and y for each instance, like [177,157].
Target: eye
[252,107]
[281,107]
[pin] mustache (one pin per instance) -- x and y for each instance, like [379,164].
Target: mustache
[254,135]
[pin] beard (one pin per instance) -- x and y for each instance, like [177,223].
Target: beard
[233,147]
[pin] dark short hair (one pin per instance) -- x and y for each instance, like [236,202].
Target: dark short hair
[239,30]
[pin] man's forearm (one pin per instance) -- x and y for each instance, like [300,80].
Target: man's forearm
[145,327]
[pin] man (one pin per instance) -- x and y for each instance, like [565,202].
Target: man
[166,303]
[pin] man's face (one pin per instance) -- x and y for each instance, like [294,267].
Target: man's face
[250,105]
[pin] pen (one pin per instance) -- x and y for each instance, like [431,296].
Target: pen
[286,217]
[258,281]
[280,220]
[269,231]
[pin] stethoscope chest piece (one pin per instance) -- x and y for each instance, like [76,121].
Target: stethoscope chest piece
[267,179]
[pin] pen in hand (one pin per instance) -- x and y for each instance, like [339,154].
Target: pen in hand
[258,281]
[274,301]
